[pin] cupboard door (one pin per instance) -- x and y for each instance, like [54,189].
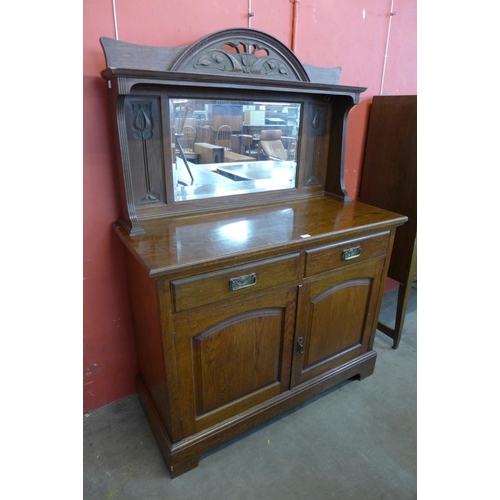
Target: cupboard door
[233,356]
[335,319]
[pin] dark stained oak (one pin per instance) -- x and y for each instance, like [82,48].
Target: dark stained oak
[212,287]
[232,360]
[224,66]
[246,305]
[332,256]
[230,357]
[335,318]
[389,181]
[200,240]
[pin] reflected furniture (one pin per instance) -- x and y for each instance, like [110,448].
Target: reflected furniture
[225,114]
[223,137]
[188,138]
[256,170]
[198,174]
[231,156]
[254,286]
[186,142]
[246,145]
[270,143]
[209,153]
[255,130]
[389,180]
[205,133]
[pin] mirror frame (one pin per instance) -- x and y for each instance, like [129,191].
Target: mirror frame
[241,64]
[206,169]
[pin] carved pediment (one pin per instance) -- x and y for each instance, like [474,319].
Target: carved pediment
[242,52]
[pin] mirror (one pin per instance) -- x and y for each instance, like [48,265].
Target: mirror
[228,147]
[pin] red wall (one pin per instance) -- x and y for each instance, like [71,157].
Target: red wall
[351,35]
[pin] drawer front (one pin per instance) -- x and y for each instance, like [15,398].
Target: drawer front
[330,257]
[234,282]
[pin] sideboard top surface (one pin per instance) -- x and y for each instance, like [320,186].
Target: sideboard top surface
[197,241]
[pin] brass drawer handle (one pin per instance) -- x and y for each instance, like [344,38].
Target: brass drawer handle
[242,281]
[351,253]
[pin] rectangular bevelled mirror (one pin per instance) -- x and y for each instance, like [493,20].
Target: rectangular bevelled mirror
[229,147]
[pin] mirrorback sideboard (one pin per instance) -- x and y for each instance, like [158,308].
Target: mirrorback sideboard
[255,283]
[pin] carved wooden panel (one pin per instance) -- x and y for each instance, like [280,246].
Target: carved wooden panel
[242,52]
[145,149]
[121,54]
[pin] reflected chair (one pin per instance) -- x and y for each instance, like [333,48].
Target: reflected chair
[205,134]
[188,136]
[272,147]
[223,137]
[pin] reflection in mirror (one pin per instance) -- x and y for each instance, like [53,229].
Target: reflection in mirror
[226,147]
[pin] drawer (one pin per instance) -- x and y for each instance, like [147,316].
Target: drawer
[234,282]
[329,257]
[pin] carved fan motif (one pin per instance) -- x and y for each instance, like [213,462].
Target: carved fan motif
[244,57]
[244,53]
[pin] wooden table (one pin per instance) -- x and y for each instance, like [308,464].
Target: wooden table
[201,176]
[231,156]
[259,170]
[209,153]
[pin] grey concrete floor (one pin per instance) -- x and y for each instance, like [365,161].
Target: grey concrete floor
[357,441]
